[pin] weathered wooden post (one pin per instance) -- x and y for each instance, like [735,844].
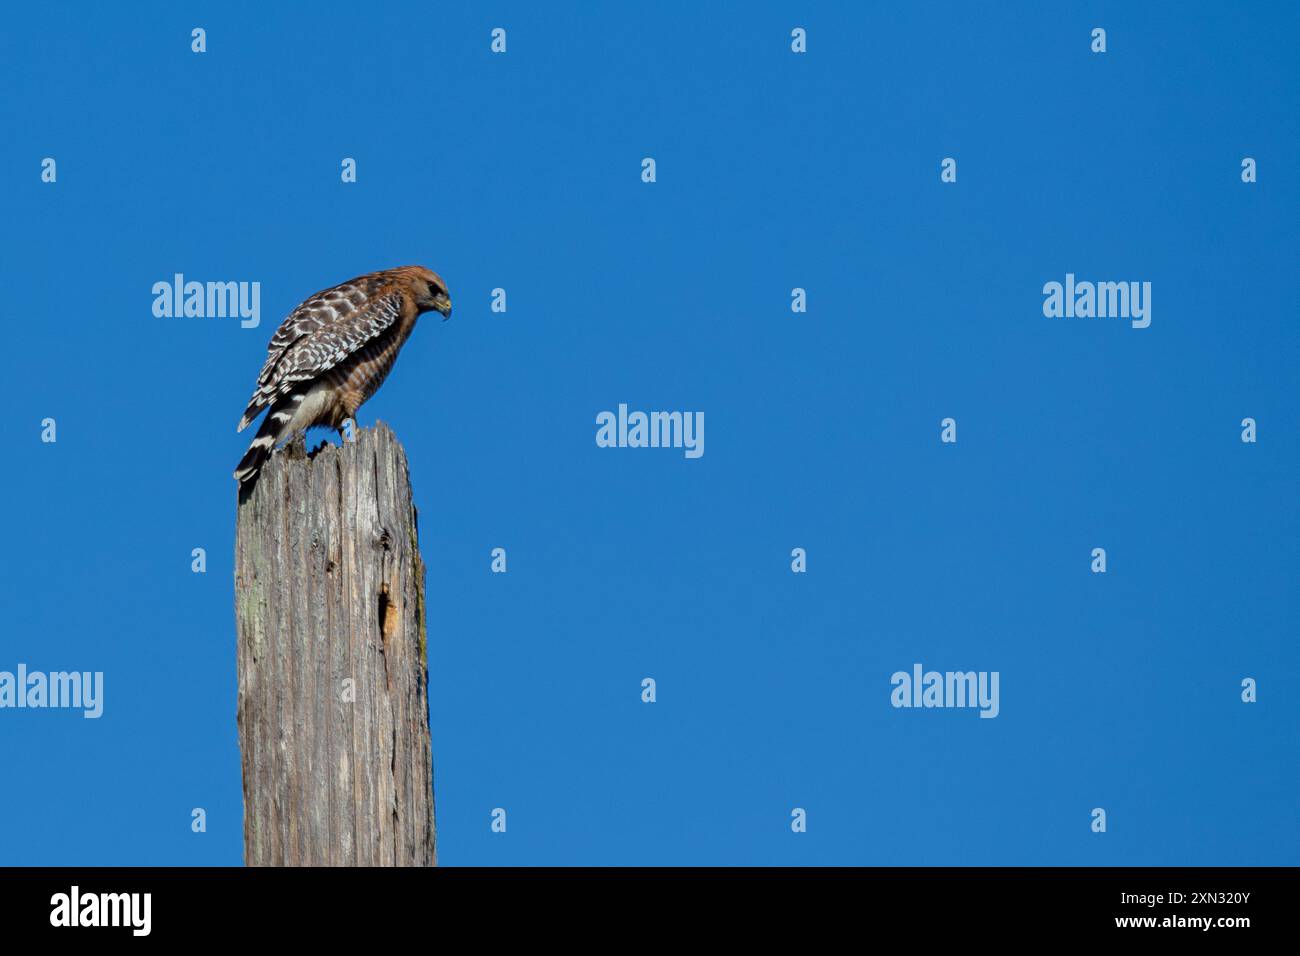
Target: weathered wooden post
[333,676]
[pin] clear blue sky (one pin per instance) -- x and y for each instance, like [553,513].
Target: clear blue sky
[775,170]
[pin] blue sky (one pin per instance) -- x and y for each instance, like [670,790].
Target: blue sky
[774,170]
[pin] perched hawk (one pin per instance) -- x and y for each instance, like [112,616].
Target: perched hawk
[333,352]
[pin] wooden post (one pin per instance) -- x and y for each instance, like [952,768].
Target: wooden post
[333,676]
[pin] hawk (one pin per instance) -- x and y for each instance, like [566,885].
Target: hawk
[333,352]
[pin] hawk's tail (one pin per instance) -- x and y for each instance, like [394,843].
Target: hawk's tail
[273,429]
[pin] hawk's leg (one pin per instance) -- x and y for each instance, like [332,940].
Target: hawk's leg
[346,417]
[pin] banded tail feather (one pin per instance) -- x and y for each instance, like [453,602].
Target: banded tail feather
[254,407]
[277,426]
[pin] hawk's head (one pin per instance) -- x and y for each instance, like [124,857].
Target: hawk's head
[430,291]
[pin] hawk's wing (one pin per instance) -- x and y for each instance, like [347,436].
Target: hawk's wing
[316,336]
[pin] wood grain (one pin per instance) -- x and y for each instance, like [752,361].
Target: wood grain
[329,588]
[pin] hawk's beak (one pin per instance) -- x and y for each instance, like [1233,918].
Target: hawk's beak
[443,305]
